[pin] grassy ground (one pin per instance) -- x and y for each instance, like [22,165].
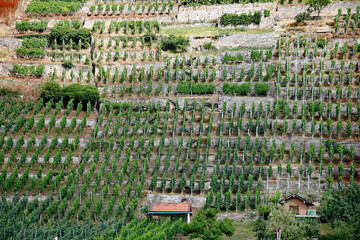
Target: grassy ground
[243,231]
[203,31]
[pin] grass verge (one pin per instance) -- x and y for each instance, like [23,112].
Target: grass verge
[207,31]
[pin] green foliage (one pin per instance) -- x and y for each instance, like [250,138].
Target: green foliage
[301,17]
[65,33]
[208,45]
[77,92]
[316,5]
[189,87]
[173,43]
[261,88]
[242,89]
[70,24]
[205,226]
[256,55]
[232,59]
[38,26]
[53,6]
[28,70]
[240,19]
[82,93]
[68,64]
[266,13]
[284,223]
[348,199]
[213,2]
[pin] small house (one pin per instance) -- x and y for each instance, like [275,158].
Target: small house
[297,204]
[171,210]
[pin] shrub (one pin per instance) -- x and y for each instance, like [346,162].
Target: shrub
[32,26]
[301,17]
[39,6]
[71,24]
[30,52]
[34,42]
[76,92]
[66,33]
[242,89]
[173,43]
[208,45]
[51,90]
[26,70]
[68,64]
[240,19]
[261,88]
[81,93]
[231,59]
[266,13]
[196,88]
[255,55]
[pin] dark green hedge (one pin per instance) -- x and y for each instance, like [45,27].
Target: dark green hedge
[240,19]
[173,43]
[32,26]
[77,92]
[261,88]
[66,33]
[195,88]
[242,89]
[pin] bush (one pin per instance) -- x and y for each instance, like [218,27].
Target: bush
[149,37]
[76,92]
[68,64]
[266,13]
[71,24]
[301,17]
[261,88]
[53,6]
[208,45]
[196,88]
[30,52]
[26,70]
[51,90]
[242,89]
[256,55]
[32,26]
[81,93]
[34,42]
[173,43]
[231,59]
[66,33]
[240,19]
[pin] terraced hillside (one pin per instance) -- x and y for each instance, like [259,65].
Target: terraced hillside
[109,106]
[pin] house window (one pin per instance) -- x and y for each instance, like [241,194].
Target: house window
[295,209]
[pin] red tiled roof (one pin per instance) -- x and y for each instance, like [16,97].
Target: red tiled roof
[170,207]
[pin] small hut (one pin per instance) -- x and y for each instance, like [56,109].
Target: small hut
[171,210]
[297,204]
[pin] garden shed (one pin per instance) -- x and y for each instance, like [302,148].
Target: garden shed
[171,210]
[296,203]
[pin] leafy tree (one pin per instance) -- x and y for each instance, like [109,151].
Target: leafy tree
[205,226]
[348,199]
[282,224]
[317,5]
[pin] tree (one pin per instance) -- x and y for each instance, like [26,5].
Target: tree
[205,226]
[317,5]
[282,224]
